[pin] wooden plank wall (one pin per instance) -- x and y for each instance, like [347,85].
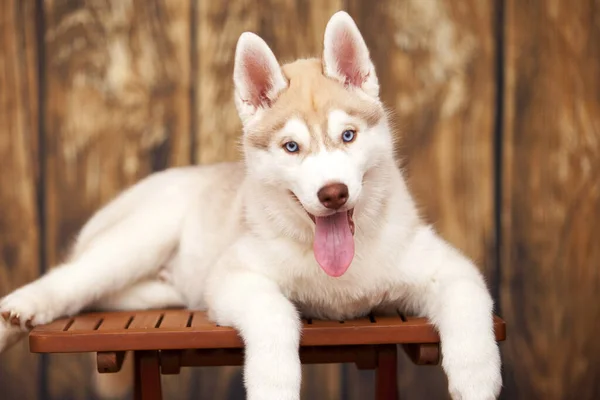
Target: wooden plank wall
[498,112]
[551,199]
[19,178]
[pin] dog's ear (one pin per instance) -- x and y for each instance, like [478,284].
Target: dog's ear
[346,56]
[257,75]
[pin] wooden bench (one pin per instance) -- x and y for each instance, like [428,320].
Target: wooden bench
[163,341]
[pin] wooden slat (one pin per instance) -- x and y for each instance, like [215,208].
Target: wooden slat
[85,323]
[176,319]
[116,322]
[551,199]
[322,324]
[59,325]
[414,320]
[435,64]
[366,332]
[147,320]
[376,320]
[117,108]
[19,173]
[200,321]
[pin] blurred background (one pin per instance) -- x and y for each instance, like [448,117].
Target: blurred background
[497,104]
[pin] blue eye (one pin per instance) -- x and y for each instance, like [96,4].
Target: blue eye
[291,147]
[348,135]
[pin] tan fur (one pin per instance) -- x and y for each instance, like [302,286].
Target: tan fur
[310,96]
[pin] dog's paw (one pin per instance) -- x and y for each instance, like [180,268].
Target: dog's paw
[26,308]
[477,381]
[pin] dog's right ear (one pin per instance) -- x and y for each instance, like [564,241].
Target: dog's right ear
[257,76]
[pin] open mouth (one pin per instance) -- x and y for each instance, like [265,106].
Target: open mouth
[349,213]
[333,244]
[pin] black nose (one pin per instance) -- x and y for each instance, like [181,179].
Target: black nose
[333,196]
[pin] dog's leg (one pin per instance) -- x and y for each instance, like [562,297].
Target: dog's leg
[269,324]
[451,292]
[129,251]
[145,295]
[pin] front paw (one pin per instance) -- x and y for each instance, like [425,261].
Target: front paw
[272,373]
[473,367]
[476,380]
[27,307]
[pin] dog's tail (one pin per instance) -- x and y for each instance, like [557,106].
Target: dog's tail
[115,385]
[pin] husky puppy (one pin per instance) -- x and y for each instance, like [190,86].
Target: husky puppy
[316,221]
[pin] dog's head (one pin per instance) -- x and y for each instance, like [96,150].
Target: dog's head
[314,128]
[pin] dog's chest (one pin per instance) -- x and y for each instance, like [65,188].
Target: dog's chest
[355,294]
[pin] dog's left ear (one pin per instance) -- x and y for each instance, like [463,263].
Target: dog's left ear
[346,56]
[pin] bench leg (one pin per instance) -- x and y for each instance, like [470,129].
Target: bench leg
[386,373]
[147,376]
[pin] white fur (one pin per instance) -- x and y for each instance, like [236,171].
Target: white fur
[230,238]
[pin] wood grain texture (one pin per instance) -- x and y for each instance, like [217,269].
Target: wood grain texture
[19,157]
[219,25]
[551,200]
[292,29]
[435,63]
[116,109]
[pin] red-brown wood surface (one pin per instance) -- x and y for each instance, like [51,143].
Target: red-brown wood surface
[182,329]
[147,384]
[386,375]
[171,361]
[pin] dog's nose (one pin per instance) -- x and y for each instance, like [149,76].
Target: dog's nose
[333,196]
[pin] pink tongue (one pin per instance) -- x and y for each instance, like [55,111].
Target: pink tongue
[334,244]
